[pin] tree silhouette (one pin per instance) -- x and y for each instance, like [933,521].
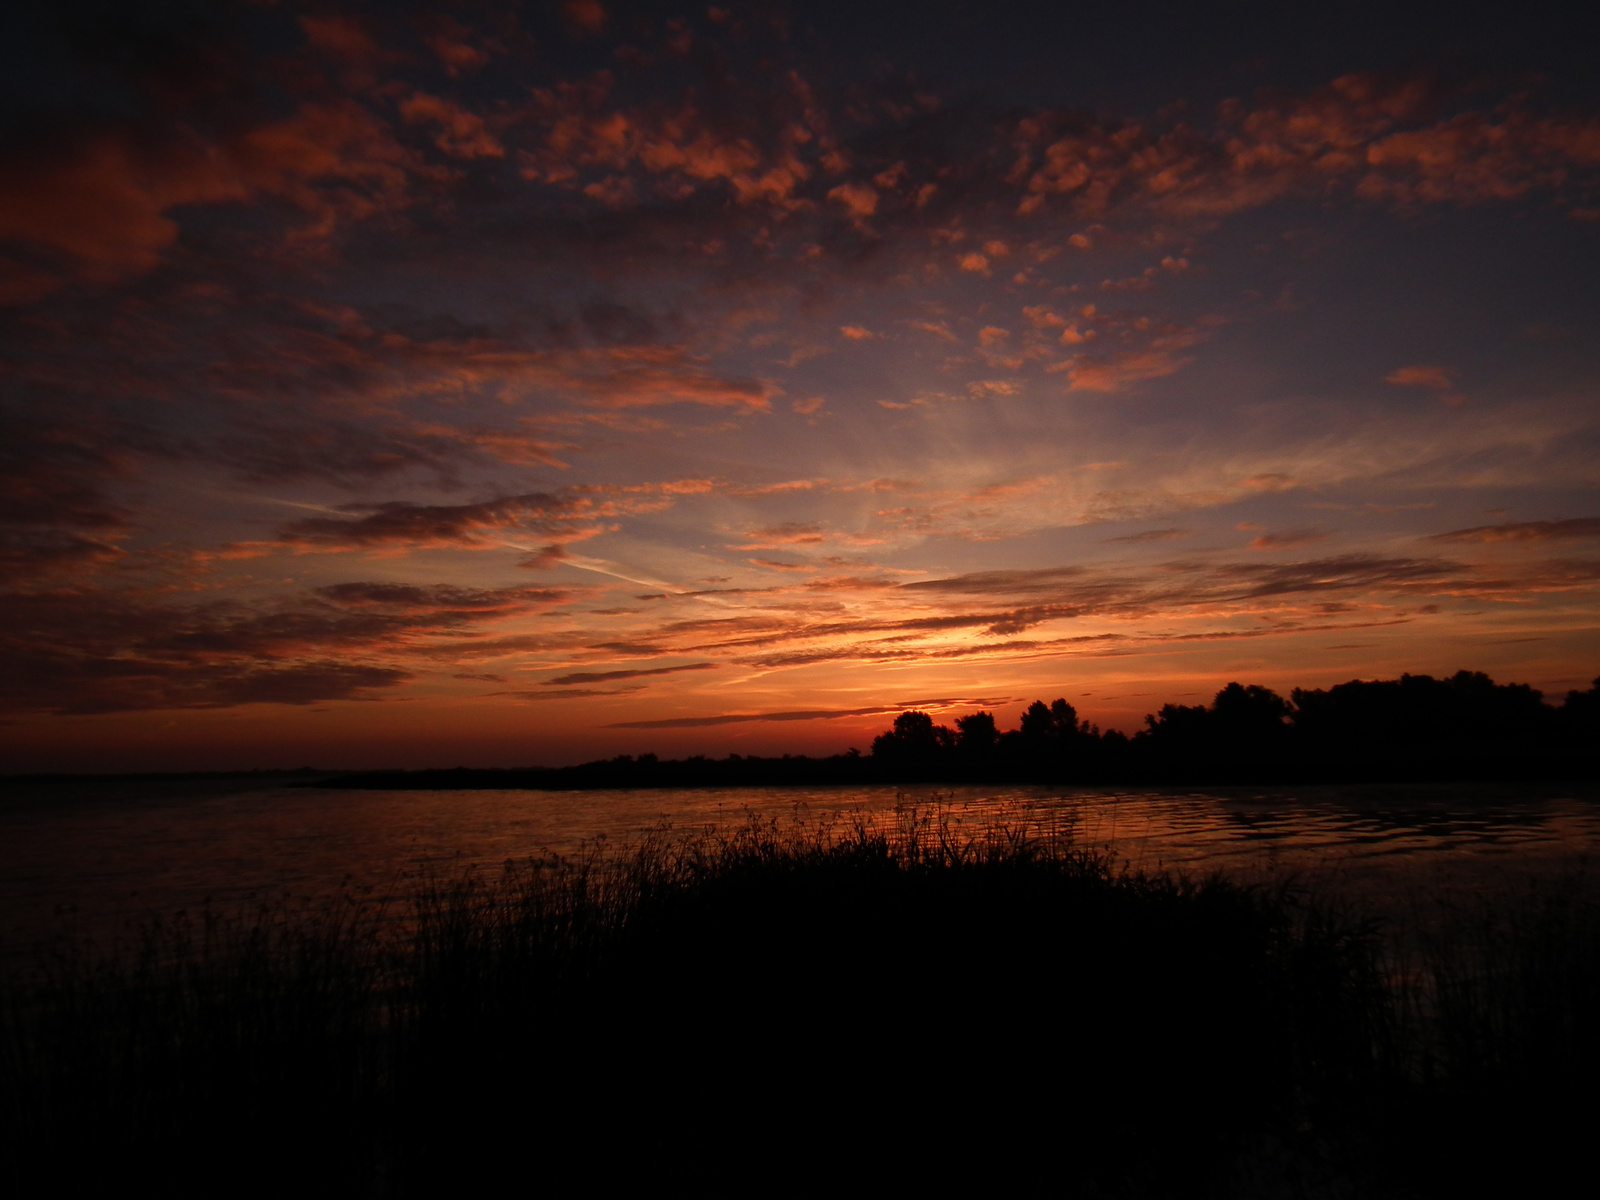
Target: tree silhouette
[977,737]
[1580,715]
[1419,710]
[915,742]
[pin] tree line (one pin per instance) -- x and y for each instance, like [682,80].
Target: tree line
[1413,728]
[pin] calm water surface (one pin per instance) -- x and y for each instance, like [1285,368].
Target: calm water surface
[95,857]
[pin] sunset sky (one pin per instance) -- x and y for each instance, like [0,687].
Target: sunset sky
[498,384]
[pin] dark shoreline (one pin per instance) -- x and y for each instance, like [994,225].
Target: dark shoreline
[845,772]
[1577,767]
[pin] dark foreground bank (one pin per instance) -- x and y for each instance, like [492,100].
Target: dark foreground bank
[810,1008]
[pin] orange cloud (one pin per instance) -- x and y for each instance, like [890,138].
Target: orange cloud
[675,151]
[992,388]
[461,133]
[939,329]
[1119,371]
[105,204]
[1352,130]
[615,377]
[789,533]
[1287,539]
[1437,378]
[584,16]
[452,43]
[859,200]
[506,447]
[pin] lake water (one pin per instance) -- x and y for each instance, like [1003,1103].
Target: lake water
[95,857]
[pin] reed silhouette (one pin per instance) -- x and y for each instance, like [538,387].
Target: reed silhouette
[812,1005]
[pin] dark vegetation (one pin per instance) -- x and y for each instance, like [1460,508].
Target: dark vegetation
[1412,728]
[813,1007]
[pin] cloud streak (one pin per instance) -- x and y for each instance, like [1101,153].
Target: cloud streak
[1571,529]
[610,676]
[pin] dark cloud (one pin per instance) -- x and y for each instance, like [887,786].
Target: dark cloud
[1525,531]
[1010,583]
[1346,573]
[57,512]
[399,522]
[54,682]
[634,649]
[609,676]
[569,693]
[438,597]
[96,651]
[809,714]
[27,555]
[1152,535]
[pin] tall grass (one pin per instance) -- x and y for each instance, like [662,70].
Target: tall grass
[807,1005]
